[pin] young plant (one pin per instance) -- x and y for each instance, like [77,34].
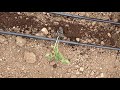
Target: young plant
[56,55]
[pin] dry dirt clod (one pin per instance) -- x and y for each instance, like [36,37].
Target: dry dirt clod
[2,39]
[30,57]
[44,31]
[20,41]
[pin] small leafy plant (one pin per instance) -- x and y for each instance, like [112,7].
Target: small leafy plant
[56,55]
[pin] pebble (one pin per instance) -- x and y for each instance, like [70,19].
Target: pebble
[65,38]
[44,13]
[73,76]
[56,23]
[20,41]
[102,43]
[102,75]
[30,57]
[67,25]
[93,23]
[109,35]
[81,69]
[77,72]
[2,39]
[116,20]
[0,59]
[92,73]
[83,13]
[89,41]
[44,31]
[39,34]
[77,66]
[52,63]
[18,12]
[77,39]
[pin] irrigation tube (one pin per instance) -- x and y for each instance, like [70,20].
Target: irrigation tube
[53,39]
[84,17]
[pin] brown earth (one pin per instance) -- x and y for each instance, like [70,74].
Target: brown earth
[23,57]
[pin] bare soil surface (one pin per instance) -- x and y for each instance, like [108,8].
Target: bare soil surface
[25,58]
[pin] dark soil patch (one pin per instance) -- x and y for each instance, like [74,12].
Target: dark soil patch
[31,25]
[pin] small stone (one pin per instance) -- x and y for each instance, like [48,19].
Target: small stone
[116,20]
[49,36]
[65,38]
[73,76]
[2,39]
[27,32]
[20,41]
[102,43]
[44,31]
[92,73]
[89,41]
[0,59]
[77,72]
[102,75]
[69,70]
[81,69]
[77,66]
[56,23]
[52,31]
[44,13]
[49,28]
[109,35]
[83,13]
[77,39]
[93,23]
[39,34]
[52,63]
[29,57]
[18,12]
[67,25]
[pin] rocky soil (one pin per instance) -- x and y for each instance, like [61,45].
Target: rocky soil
[24,57]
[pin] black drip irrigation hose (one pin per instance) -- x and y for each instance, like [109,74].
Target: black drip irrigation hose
[84,17]
[62,41]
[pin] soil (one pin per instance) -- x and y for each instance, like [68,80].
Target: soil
[24,57]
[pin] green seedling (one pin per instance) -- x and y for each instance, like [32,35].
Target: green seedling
[56,55]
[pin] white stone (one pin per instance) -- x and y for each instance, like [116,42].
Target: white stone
[77,39]
[102,75]
[44,31]
[81,69]
[109,35]
[102,43]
